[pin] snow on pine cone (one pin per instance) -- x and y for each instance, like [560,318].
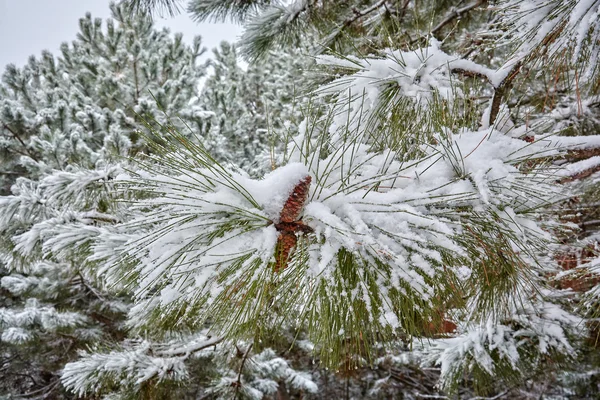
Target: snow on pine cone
[294,204]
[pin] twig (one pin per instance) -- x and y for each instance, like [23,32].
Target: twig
[358,14]
[9,173]
[456,13]
[44,390]
[182,351]
[238,383]
[90,288]
[501,90]
[502,394]
[580,175]
[578,155]
[16,136]
[470,74]
[431,396]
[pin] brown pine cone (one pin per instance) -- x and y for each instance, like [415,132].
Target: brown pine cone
[293,206]
[289,224]
[285,244]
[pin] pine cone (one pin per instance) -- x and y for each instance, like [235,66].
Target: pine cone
[293,206]
[285,244]
[289,224]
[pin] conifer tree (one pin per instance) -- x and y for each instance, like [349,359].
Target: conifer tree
[407,75]
[255,108]
[419,215]
[87,104]
[66,124]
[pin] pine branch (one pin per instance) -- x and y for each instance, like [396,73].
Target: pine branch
[502,90]
[10,173]
[194,348]
[471,73]
[25,147]
[220,10]
[238,383]
[456,13]
[580,175]
[358,14]
[582,154]
[171,7]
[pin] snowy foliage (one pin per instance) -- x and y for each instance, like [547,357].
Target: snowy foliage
[88,106]
[255,376]
[555,26]
[254,109]
[420,76]
[134,365]
[208,238]
[534,330]
[432,202]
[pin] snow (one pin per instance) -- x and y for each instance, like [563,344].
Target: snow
[540,324]
[532,22]
[35,314]
[209,233]
[575,168]
[192,234]
[85,376]
[418,75]
[273,190]
[570,142]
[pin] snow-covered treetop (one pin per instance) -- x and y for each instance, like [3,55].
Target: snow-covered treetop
[89,105]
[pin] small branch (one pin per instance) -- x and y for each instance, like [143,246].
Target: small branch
[501,91]
[362,13]
[183,351]
[358,14]
[91,289]
[451,16]
[470,74]
[580,175]
[496,397]
[456,13]
[578,155]
[135,78]
[588,224]
[44,390]
[238,383]
[16,136]
[100,217]
[9,173]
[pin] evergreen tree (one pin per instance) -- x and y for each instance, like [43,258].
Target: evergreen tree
[66,124]
[255,108]
[429,211]
[89,104]
[394,87]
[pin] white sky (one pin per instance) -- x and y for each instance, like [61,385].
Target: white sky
[29,26]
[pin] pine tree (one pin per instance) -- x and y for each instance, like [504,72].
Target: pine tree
[420,215]
[395,88]
[67,123]
[93,100]
[255,108]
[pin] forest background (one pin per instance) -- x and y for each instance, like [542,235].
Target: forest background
[358,199]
